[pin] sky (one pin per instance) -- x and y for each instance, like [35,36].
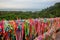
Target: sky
[26,4]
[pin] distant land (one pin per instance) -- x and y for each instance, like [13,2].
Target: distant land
[8,9]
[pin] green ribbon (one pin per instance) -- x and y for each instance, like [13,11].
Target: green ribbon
[45,20]
[26,29]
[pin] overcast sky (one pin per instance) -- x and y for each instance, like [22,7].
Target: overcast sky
[32,4]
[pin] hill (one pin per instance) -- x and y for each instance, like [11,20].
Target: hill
[53,11]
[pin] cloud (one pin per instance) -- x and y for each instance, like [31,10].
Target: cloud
[29,0]
[27,3]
